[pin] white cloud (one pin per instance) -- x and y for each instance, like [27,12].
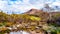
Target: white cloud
[19,6]
[56,3]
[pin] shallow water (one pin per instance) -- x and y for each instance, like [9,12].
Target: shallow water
[19,32]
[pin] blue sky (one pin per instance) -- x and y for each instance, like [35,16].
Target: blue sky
[20,6]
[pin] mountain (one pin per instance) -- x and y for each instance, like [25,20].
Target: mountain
[33,11]
[48,17]
[33,20]
[38,13]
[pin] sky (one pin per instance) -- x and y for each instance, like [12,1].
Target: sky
[21,6]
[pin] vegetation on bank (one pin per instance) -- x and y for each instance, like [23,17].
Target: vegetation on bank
[29,22]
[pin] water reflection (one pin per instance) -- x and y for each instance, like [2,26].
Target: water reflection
[19,32]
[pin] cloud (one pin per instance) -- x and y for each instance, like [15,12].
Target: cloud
[56,3]
[20,6]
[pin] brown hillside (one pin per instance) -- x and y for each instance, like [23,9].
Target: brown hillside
[39,13]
